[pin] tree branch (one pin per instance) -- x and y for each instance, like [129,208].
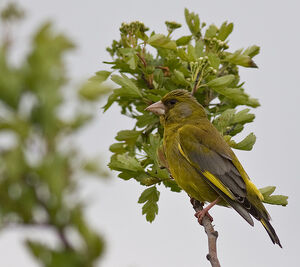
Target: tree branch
[63,238]
[212,235]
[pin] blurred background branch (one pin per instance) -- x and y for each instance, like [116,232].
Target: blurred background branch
[39,163]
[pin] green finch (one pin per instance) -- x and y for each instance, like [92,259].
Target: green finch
[203,164]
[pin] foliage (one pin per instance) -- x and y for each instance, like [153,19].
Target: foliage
[151,65]
[273,199]
[38,161]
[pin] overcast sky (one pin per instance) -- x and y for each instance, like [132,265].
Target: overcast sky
[175,238]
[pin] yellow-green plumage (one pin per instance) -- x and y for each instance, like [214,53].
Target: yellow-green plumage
[201,161]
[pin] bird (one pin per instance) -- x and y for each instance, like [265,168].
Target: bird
[203,164]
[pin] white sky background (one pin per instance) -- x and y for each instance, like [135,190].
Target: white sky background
[175,238]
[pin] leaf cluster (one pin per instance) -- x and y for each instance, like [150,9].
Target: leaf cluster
[153,64]
[38,161]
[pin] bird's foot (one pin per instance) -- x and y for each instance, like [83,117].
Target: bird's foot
[204,212]
[200,215]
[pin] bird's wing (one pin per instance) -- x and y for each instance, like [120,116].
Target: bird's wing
[217,169]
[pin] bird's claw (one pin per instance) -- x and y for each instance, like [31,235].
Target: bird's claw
[200,215]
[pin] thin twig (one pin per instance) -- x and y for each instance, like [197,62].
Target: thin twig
[63,238]
[165,70]
[148,80]
[195,88]
[212,235]
[142,59]
[60,231]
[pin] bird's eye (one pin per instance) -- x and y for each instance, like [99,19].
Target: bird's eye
[172,102]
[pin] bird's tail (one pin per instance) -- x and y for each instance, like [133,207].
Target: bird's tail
[245,208]
[271,231]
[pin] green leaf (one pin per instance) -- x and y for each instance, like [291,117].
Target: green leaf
[129,56]
[229,123]
[172,25]
[199,47]
[151,147]
[160,40]
[129,87]
[211,31]
[111,99]
[224,120]
[40,251]
[234,129]
[149,194]
[100,76]
[214,60]
[221,81]
[240,59]
[193,22]
[158,77]
[128,135]
[180,79]
[93,167]
[267,191]
[225,30]
[183,55]
[18,125]
[238,96]
[247,143]
[146,119]
[147,180]
[123,162]
[273,199]
[51,257]
[127,175]
[243,116]
[92,90]
[118,148]
[172,185]
[276,200]
[184,40]
[191,53]
[252,51]
[252,102]
[150,197]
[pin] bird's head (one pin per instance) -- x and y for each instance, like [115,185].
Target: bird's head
[177,106]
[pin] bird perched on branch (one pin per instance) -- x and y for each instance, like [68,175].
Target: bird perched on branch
[203,164]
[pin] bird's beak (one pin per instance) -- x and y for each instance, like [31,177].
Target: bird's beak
[157,108]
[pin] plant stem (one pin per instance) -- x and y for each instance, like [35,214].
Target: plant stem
[142,59]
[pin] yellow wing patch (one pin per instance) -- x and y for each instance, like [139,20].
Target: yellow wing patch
[182,153]
[217,183]
[254,189]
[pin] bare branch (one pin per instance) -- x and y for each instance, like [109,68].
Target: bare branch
[212,235]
